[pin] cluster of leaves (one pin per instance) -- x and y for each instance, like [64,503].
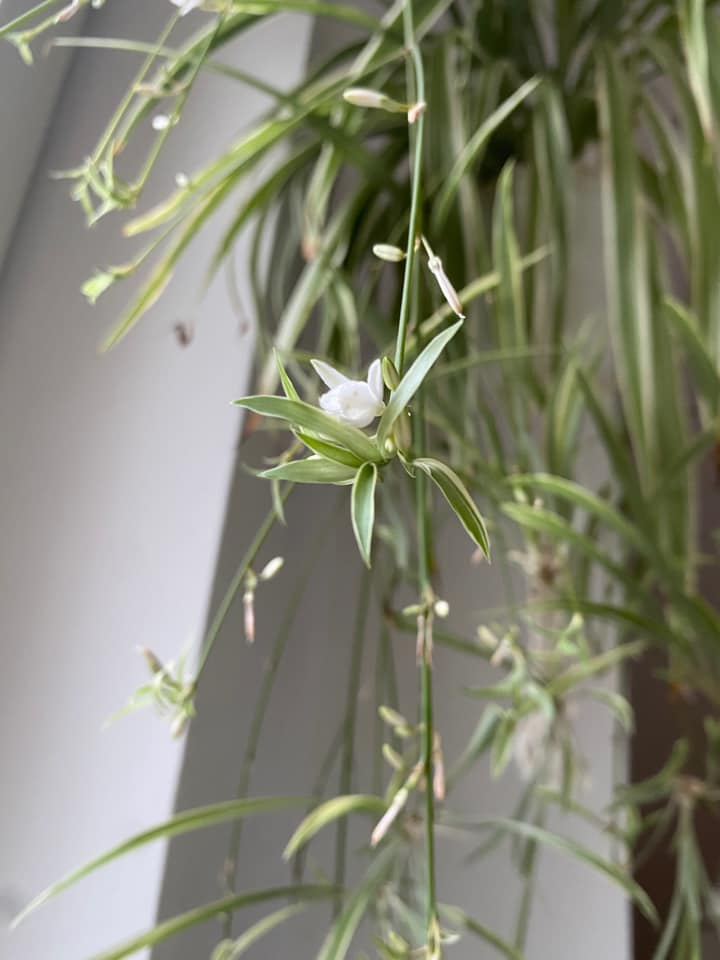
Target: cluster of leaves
[517,99]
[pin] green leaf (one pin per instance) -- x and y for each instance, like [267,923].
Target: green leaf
[458,918]
[287,384]
[339,938]
[306,417]
[578,672]
[474,147]
[587,500]
[532,832]
[691,14]
[626,259]
[363,508]
[100,281]
[480,740]
[311,470]
[557,527]
[232,949]
[181,823]
[328,812]
[330,451]
[460,501]
[192,918]
[411,381]
[699,356]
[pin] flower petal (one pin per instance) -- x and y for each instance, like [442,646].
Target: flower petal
[329,375]
[375,380]
[353,403]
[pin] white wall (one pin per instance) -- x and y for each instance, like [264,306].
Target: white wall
[115,472]
[26,102]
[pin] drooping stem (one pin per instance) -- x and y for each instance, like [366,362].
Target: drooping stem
[416,92]
[419,86]
[348,741]
[426,678]
[270,671]
[235,585]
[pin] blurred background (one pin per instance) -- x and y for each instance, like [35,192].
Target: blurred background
[124,510]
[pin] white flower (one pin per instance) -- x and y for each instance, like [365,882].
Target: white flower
[355,402]
[186,5]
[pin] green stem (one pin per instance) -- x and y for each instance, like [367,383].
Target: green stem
[27,17]
[235,585]
[256,726]
[416,91]
[414,202]
[127,100]
[348,745]
[426,696]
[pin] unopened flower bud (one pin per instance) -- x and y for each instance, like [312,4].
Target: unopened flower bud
[487,638]
[416,110]
[442,609]
[389,447]
[161,121]
[179,725]
[392,717]
[249,615]
[390,374]
[392,757]
[402,433]
[67,12]
[150,659]
[271,568]
[372,100]
[446,288]
[389,817]
[386,251]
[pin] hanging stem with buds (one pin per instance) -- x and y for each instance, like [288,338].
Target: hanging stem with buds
[416,91]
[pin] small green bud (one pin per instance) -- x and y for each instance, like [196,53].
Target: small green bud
[151,660]
[414,610]
[392,717]
[390,374]
[392,757]
[386,251]
[389,447]
[401,432]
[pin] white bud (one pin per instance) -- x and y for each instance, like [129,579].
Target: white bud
[249,616]
[181,180]
[442,609]
[161,121]
[372,100]
[271,568]
[416,110]
[179,725]
[446,288]
[389,817]
[67,12]
[386,251]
